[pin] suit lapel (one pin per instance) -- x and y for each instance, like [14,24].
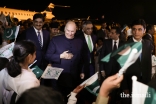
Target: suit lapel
[44,40]
[110,45]
[143,48]
[83,37]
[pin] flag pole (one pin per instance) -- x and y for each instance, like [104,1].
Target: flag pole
[16,33]
[40,78]
[32,63]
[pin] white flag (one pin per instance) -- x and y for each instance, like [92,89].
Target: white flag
[6,51]
[51,72]
[153,60]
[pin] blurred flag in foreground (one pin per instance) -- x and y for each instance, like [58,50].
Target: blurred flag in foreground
[125,55]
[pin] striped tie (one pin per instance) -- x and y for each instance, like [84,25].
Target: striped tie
[39,38]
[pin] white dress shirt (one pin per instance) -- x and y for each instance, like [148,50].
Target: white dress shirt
[136,40]
[117,43]
[41,33]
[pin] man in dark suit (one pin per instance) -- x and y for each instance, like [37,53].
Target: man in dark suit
[109,45]
[89,41]
[112,67]
[64,51]
[102,33]
[142,67]
[40,37]
[149,36]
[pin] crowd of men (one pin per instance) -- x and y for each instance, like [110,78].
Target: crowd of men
[78,49]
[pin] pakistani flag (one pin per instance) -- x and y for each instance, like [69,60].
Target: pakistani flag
[9,21]
[92,84]
[51,72]
[125,55]
[142,94]
[11,33]
[3,19]
[37,71]
[6,51]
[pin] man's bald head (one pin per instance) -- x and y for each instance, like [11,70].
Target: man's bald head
[70,29]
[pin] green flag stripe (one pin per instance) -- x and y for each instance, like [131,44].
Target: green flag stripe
[94,87]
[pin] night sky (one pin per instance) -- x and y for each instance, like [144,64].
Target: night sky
[122,11]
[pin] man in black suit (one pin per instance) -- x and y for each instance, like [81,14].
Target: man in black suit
[109,45]
[149,36]
[112,67]
[103,32]
[142,67]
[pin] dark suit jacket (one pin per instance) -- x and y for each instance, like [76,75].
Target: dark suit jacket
[57,46]
[101,34]
[30,34]
[87,56]
[151,39]
[141,68]
[112,67]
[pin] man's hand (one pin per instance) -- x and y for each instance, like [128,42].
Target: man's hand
[82,75]
[66,55]
[103,73]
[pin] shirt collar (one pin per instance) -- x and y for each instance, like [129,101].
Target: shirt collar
[37,30]
[136,40]
[117,41]
[86,35]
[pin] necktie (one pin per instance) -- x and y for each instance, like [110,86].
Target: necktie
[89,44]
[114,47]
[39,38]
[140,56]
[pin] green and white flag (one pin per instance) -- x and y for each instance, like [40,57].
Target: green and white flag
[141,93]
[37,71]
[92,84]
[125,55]
[51,73]
[11,33]
[3,19]
[6,51]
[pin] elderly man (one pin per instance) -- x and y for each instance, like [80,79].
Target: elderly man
[64,51]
